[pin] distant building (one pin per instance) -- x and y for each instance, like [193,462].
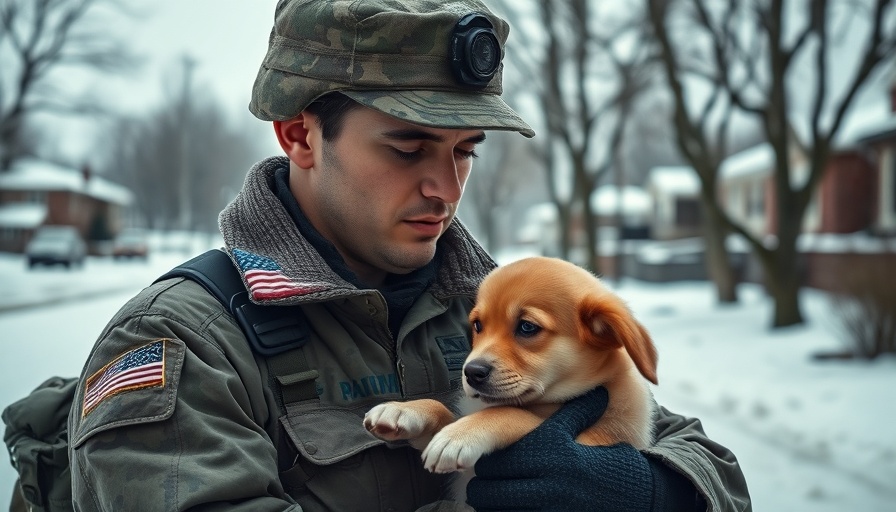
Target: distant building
[881,139]
[845,200]
[674,192]
[853,205]
[35,192]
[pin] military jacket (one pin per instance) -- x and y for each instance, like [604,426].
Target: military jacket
[175,411]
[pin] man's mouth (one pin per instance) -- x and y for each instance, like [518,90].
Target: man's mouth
[429,226]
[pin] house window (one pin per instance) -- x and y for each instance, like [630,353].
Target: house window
[36,197]
[892,179]
[687,212]
[756,204]
[10,234]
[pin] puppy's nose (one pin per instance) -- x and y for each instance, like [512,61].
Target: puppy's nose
[476,371]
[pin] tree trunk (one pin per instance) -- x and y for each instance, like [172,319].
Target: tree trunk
[785,278]
[785,292]
[718,264]
[590,225]
[565,242]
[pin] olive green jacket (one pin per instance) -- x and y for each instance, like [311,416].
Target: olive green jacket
[174,410]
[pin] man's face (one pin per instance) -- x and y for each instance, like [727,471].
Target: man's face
[384,190]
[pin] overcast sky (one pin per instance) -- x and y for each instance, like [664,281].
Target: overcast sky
[227,40]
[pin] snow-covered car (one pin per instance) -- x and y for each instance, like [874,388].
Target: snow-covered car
[53,245]
[131,243]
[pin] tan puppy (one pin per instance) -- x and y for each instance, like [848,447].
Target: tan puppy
[544,331]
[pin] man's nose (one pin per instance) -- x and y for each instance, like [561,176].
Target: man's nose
[443,182]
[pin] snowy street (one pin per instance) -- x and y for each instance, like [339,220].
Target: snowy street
[810,436]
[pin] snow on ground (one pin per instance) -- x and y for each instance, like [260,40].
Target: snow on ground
[810,436]
[723,365]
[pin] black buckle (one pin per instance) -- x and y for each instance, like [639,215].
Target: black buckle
[271,329]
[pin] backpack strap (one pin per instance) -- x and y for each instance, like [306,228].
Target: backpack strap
[277,333]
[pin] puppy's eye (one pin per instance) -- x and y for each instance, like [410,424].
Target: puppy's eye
[527,329]
[477,326]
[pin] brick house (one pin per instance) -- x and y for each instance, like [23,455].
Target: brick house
[35,192]
[852,206]
[881,140]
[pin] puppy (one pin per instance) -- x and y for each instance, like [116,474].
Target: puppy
[544,332]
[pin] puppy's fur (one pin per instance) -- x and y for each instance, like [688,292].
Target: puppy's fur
[544,331]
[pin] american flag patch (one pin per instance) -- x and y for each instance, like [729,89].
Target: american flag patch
[140,368]
[266,280]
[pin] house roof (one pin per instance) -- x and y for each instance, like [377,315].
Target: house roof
[38,175]
[869,122]
[863,123]
[22,215]
[635,200]
[757,159]
[885,129]
[677,180]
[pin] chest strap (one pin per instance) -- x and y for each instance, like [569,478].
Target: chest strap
[277,333]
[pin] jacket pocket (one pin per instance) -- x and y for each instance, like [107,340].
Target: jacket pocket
[341,466]
[327,435]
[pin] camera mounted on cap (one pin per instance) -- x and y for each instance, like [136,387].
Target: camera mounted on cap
[475,51]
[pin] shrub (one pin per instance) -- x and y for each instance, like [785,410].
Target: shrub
[865,307]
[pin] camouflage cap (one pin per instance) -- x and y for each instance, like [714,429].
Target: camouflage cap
[431,62]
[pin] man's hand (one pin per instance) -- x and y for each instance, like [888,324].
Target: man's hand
[549,470]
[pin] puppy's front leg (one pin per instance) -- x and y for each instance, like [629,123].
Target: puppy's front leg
[415,421]
[459,445]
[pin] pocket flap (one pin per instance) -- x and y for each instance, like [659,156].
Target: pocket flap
[326,435]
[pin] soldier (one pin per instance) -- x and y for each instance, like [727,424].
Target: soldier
[350,241]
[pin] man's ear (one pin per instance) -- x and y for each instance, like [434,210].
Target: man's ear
[296,137]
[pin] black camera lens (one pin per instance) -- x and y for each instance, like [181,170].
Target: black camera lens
[475,51]
[485,54]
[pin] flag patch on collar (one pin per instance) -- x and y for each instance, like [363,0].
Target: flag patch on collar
[266,279]
[141,368]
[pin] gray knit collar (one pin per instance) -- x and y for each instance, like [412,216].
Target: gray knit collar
[279,266]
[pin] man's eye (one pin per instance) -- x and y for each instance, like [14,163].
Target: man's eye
[407,155]
[527,329]
[466,154]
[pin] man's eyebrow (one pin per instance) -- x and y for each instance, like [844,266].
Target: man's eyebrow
[415,134]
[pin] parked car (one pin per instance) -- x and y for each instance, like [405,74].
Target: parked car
[52,245]
[131,243]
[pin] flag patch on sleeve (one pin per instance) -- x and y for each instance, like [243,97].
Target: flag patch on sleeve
[141,368]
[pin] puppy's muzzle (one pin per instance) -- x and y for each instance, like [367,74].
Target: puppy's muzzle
[477,372]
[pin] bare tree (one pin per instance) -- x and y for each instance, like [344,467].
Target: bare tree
[150,155]
[587,88]
[754,50]
[503,167]
[528,62]
[36,38]
[701,132]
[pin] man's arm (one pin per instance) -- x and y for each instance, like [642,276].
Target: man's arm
[549,470]
[683,445]
[191,439]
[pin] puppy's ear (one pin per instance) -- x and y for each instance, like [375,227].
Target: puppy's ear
[607,323]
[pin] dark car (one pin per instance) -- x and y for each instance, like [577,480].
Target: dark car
[53,245]
[130,243]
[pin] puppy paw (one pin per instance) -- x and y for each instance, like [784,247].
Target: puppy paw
[394,421]
[455,448]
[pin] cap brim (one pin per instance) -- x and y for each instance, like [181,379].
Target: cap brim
[445,109]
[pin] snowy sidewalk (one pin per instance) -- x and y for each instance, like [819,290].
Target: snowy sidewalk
[25,288]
